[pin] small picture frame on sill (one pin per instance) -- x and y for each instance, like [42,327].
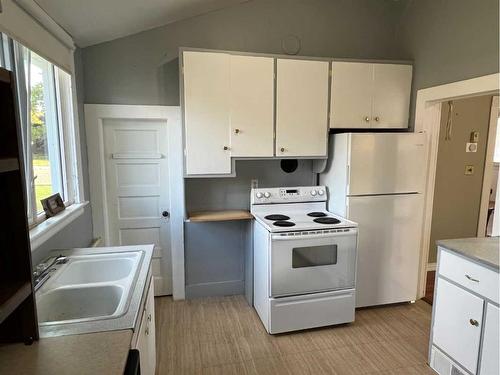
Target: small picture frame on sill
[52,205]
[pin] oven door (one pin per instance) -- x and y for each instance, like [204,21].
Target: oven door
[313,262]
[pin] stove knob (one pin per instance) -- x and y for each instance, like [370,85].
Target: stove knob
[267,194]
[313,192]
[321,192]
[259,195]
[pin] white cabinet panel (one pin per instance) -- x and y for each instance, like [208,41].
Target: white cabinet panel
[470,275]
[491,345]
[457,323]
[391,95]
[206,112]
[146,343]
[252,106]
[301,108]
[351,95]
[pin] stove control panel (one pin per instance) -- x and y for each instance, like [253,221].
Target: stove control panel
[288,195]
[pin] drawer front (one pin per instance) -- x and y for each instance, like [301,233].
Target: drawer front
[457,323]
[472,276]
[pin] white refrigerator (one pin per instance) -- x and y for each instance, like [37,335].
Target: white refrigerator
[376,180]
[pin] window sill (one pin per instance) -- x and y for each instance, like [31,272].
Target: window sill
[49,227]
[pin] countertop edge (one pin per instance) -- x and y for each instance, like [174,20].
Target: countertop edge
[462,247]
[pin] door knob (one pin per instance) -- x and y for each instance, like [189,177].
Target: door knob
[226,148]
[237,131]
[377,118]
[474,322]
[282,149]
[367,119]
[165,214]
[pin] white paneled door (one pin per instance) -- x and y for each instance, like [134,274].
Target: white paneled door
[137,193]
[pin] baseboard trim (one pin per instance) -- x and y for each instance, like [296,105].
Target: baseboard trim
[431,266]
[221,288]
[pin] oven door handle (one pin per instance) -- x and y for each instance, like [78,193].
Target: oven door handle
[277,237]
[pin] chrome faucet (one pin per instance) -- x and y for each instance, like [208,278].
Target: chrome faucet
[42,271]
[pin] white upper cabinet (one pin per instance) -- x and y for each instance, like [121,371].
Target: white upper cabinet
[301,108]
[206,112]
[351,97]
[391,95]
[366,95]
[252,106]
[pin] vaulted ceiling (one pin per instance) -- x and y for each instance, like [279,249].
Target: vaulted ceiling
[95,21]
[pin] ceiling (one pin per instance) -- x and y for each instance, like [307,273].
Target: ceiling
[95,21]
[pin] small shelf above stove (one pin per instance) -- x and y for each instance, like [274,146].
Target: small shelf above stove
[222,215]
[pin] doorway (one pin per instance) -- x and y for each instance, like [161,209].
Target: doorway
[461,170]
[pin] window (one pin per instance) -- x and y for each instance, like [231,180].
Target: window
[46,117]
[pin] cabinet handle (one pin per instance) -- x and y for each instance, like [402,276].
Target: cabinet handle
[226,148]
[282,149]
[367,119]
[474,322]
[377,118]
[237,131]
[147,331]
[471,278]
[149,317]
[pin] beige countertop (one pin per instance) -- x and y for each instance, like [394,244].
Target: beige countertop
[92,353]
[484,250]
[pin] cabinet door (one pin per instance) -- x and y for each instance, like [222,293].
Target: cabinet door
[457,323]
[142,345]
[491,345]
[150,333]
[391,95]
[206,112]
[301,108]
[351,95]
[252,106]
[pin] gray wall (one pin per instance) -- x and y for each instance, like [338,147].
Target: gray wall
[143,69]
[79,232]
[449,40]
[131,70]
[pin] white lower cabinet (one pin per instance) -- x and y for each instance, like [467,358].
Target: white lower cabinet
[457,323]
[146,343]
[491,346]
[465,322]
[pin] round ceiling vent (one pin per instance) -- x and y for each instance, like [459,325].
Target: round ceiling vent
[290,44]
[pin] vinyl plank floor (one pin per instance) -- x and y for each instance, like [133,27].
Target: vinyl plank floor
[223,335]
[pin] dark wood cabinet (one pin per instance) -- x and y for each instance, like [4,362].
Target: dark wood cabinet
[18,320]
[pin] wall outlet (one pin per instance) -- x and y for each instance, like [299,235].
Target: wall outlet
[254,184]
[469,170]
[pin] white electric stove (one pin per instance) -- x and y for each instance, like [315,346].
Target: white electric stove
[304,260]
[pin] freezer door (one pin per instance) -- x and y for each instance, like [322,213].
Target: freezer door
[388,247]
[386,163]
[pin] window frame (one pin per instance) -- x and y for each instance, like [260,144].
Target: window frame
[64,97]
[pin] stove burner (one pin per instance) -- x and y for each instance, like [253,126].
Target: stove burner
[327,220]
[276,217]
[282,223]
[316,214]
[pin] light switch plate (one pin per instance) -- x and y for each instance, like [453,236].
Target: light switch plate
[469,170]
[471,147]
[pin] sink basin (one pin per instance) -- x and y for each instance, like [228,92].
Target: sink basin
[96,270]
[88,288]
[70,304]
